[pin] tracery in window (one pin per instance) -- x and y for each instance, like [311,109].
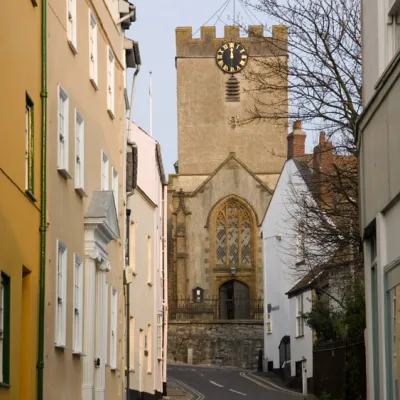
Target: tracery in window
[233,235]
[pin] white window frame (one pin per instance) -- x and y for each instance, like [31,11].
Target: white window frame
[105,180]
[299,315]
[114,177]
[132,247]
[110,81]
[160,336]
[63,133]
[78,305]
[79,154]
[113,330]
[149,260]
[93,54]
[71,25]
[61,295]
[149,349]
[132,342]
[106,322]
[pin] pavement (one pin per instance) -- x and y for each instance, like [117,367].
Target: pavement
[188,382]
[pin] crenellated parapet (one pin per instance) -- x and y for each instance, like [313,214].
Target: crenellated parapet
[207,44]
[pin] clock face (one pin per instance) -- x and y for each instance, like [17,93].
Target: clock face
[231,57]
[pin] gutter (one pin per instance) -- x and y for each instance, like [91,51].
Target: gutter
[43,208]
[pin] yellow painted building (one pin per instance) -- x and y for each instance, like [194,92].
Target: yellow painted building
[20,166]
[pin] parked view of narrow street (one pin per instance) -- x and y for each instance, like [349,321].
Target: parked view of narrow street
[199,200]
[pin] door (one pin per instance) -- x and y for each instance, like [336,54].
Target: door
[234,300]
[141,360]
[304,375]
[241,300]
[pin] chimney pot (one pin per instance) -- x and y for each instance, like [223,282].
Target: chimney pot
[322,137]
[297,125]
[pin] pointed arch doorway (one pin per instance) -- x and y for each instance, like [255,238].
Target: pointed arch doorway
[234,300]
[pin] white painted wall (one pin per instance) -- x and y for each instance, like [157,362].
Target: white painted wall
[301,346]
[278,279]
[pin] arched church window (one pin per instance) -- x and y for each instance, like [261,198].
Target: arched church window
[233,235]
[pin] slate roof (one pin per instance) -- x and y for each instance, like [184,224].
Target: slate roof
[313,279]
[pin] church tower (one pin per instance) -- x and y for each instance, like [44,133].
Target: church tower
[226,173]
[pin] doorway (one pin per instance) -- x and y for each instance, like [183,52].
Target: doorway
[234,300]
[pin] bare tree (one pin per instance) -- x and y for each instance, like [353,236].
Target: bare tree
[323,73]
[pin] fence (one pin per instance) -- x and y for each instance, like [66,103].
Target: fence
[214,308]
[339,370]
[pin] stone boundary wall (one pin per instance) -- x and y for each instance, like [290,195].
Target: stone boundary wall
[233,344]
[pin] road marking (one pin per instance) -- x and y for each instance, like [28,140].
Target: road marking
[244,375]
[189,389]
[216,384]
[235,391]
[267,384]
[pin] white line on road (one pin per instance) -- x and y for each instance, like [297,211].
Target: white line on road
[216,384]
[189,389]
[235,391]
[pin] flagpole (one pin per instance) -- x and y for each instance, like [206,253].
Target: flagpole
[151,105]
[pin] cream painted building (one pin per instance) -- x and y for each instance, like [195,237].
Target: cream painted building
[88,57]
[147,260]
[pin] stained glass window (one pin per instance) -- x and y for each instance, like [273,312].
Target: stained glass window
[233,235]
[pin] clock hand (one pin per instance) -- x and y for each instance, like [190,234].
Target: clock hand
[231,53]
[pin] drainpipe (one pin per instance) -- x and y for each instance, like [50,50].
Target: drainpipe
[165,286]
[43,208]
[128,214]
[128,316]
[127,16]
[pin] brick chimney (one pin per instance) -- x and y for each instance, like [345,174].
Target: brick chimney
[323,154]
[296,141]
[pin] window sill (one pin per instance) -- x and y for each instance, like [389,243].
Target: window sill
[61,347]
[31,196]
[34,3]
[81,192]
[5,385]
[72,47]
[94,84]
[299,336]
[64,173]
[78,354]
[111,114]
[149,373]
[132,370]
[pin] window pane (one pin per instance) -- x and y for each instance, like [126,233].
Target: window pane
[233,235]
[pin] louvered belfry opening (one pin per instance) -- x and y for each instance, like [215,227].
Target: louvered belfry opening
[232,89]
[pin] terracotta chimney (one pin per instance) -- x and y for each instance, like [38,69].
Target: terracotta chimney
[296,141]
[323,154]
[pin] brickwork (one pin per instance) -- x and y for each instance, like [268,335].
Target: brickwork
[234,344]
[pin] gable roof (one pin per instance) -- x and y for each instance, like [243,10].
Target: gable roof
[313,279]
[232,156]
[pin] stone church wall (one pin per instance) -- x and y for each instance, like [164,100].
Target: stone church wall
[227,343]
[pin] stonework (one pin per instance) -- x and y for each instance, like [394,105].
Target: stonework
[234,344]
[227,172]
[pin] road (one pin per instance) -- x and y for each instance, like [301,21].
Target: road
[223,384]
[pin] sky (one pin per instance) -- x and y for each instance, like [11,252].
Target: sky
[155,31]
